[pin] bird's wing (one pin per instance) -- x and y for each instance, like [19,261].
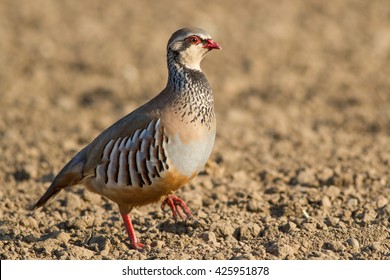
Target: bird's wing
[84,163]
[126,127]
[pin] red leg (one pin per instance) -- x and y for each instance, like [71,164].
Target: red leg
[178,207]
[130,231]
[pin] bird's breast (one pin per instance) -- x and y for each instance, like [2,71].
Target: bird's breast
[190,129]
[189,154]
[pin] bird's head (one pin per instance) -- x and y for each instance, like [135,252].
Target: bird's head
[188,46]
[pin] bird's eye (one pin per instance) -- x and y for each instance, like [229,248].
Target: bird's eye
[194,40]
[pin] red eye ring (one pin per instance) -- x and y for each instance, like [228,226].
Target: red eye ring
[195,40]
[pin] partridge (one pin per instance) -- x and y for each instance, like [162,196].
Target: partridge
[156,149]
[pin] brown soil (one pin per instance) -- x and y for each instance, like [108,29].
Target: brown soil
[300,169]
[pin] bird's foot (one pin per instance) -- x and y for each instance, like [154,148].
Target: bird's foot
[137,246]
[178,207]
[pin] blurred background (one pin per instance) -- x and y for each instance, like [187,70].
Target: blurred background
[302,94]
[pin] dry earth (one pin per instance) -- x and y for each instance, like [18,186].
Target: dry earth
[300,169]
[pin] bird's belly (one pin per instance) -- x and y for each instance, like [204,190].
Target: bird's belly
[188,158]
[127,196]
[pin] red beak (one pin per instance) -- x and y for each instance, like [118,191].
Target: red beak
[210,44]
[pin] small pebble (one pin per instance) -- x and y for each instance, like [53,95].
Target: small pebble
[157,244]
[326,203]
[369,215]
[209,237]
[249,231]
[381,202]
[255,206]
[80,222]
[290,226]
[335,246]
[201,214]
[231,240]
[325,175]
[359,180]
[333,221]
[28,222]
[353,243]
[280,250]
[332,192]
[353,203]
[376,246]
[80,252]
[307,178]
[100,240]
[222,229]
[309,226]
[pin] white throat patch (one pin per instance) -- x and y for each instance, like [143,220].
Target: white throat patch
[192,57]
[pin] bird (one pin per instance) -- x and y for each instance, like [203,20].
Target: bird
[154,150]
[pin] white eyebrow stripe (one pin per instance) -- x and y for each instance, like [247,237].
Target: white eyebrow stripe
[182,38]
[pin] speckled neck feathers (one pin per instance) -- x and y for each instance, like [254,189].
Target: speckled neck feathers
[193,101]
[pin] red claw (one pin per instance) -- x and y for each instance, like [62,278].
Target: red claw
[178,207]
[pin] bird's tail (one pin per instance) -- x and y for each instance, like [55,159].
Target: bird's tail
[70,175]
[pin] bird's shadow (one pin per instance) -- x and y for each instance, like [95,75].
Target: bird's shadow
[177,226]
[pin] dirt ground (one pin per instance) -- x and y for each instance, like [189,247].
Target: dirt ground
[300,168]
